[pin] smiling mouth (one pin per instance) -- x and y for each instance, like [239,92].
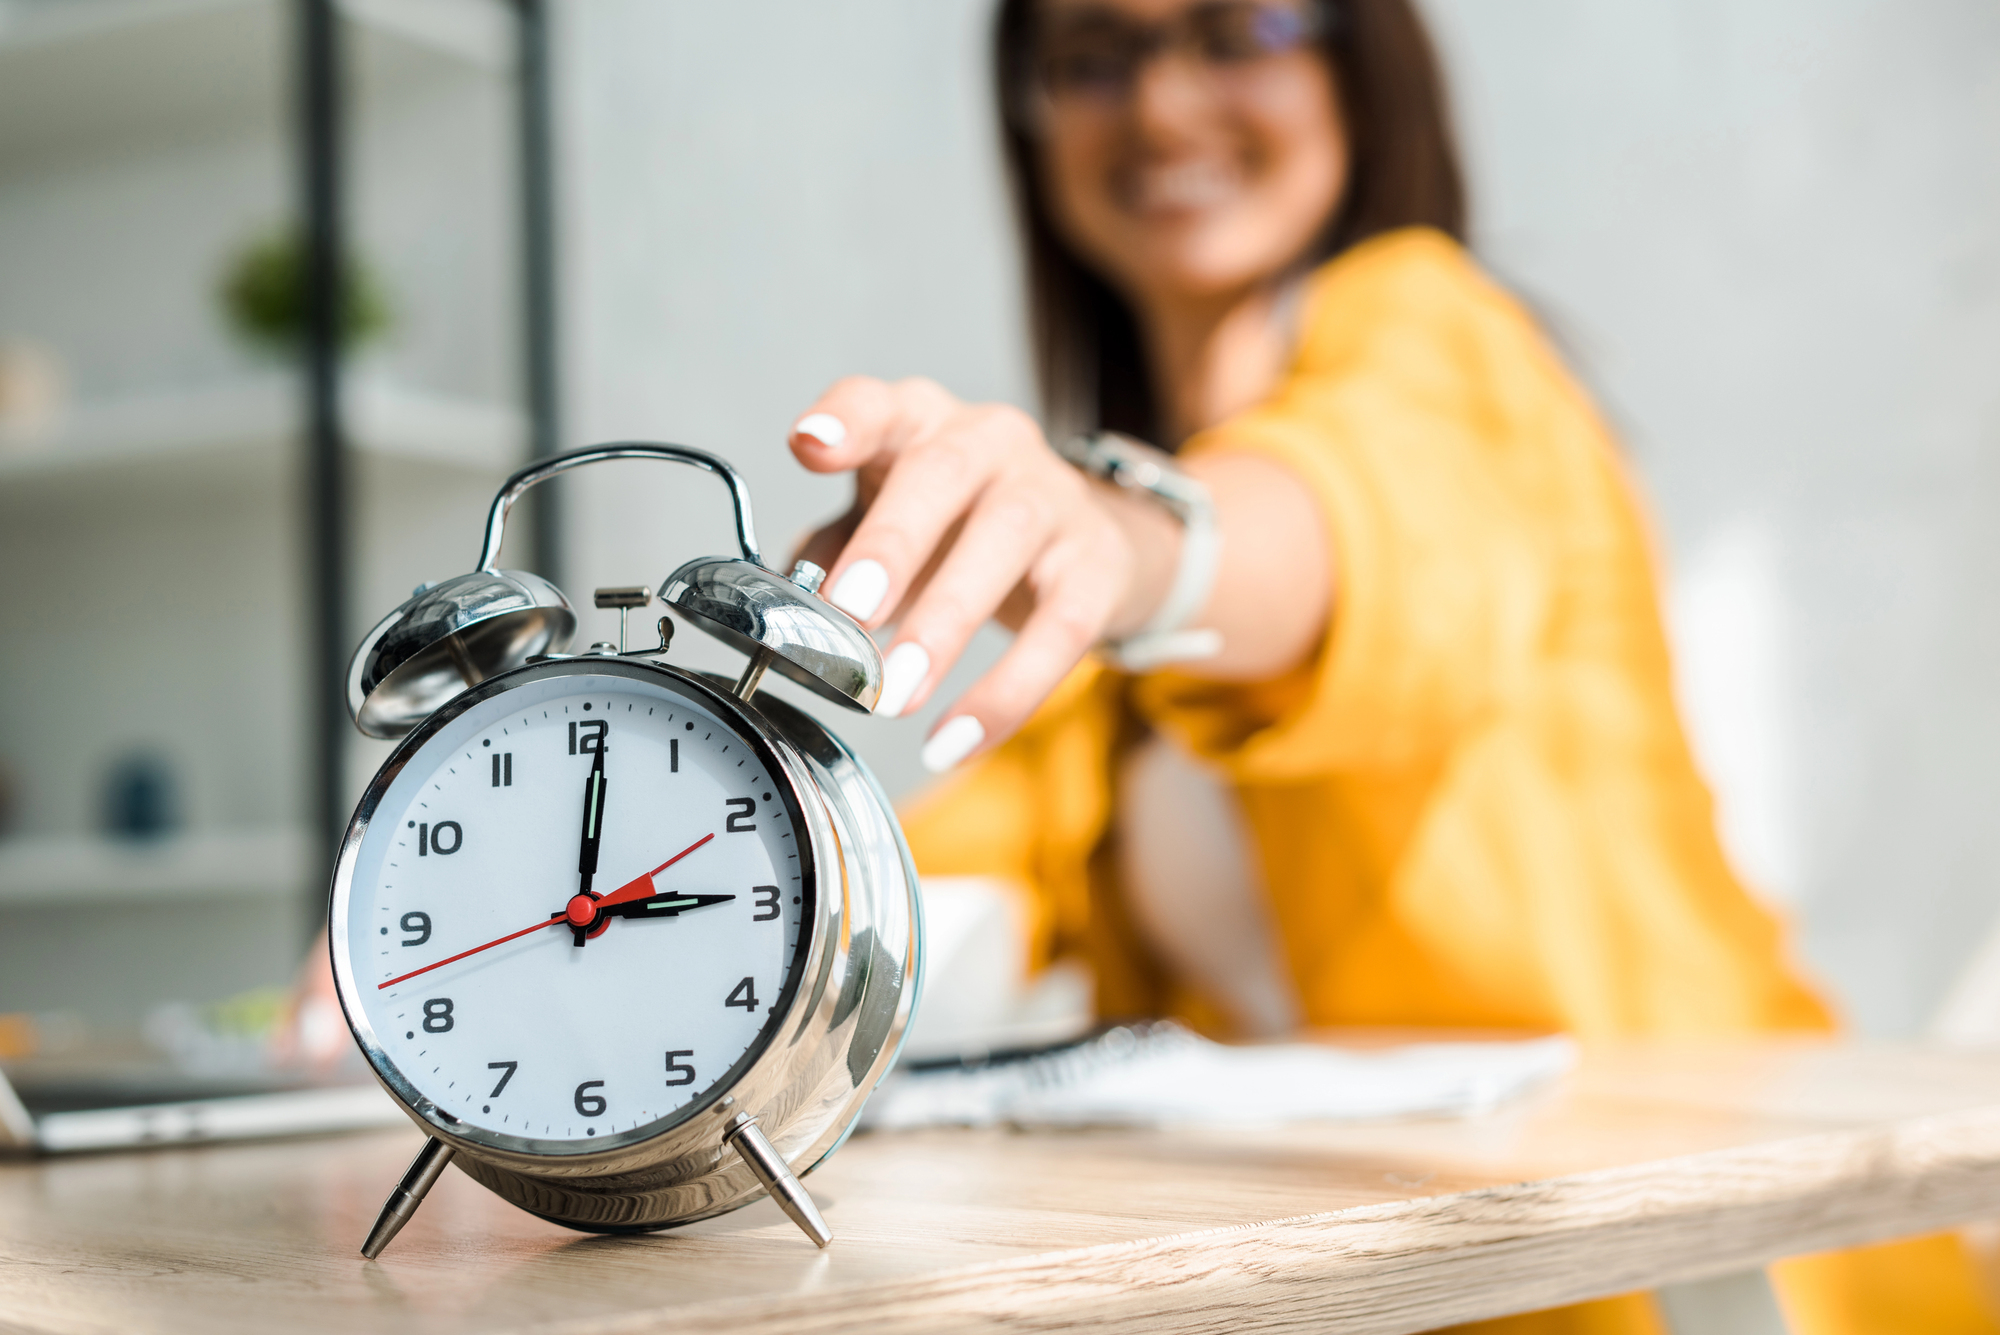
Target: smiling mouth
[1189,187]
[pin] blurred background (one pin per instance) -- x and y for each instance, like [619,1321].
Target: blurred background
[1766,233]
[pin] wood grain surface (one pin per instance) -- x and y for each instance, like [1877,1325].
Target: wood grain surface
[1651,1164]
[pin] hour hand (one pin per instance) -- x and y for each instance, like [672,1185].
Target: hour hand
[670,905]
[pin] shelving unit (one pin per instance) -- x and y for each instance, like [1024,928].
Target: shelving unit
[165,580]
[188,437]
[82,76]
[54,870]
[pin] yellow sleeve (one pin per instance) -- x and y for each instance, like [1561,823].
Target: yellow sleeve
[1031,812]
[1413,376]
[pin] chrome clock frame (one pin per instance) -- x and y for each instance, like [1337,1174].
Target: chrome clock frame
[846,1004]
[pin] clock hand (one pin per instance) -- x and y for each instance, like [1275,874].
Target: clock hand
[549,921]
[583,909]
[593,832]
[669,905]
[640,887]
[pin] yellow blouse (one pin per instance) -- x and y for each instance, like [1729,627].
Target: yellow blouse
[1475,806]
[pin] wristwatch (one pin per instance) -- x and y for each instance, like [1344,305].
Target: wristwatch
[1139,467]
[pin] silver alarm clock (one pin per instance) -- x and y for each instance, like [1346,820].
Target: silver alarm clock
[631,944]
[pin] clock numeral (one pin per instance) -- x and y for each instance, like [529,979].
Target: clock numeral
[684,1070]
[590,1105]
[503,769]
[767,898]
[746,807]
[420,923]
[430,838]
[673,755]
[587,738]
[507,1070]
[744,994]
[437,1015]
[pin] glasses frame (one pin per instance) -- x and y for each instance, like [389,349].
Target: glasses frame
[1030,105]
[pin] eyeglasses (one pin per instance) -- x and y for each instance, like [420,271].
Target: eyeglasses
[1092,57]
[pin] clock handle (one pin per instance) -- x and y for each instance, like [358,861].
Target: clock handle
[543,469]
[408,1195]
[771,1170]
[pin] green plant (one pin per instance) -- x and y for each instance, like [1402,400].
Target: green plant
[263,294]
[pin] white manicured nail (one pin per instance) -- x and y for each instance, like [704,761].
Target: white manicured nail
[860,590]
[825,428]
[952,743]
[902,672]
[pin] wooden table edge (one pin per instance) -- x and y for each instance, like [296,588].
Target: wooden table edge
[1430,1261]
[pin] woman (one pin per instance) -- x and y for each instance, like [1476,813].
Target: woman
[1417,760]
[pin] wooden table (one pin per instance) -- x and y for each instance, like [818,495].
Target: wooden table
[1650,1165]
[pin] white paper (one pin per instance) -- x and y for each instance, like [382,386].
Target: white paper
[1163,1075]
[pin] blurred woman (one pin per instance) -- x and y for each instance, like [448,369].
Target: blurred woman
[1353,706]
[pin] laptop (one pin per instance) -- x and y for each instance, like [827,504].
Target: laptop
[113,1111]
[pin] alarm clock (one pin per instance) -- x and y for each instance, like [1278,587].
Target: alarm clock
[631,944]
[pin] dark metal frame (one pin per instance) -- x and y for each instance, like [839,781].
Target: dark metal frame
[320,56]
[538,279]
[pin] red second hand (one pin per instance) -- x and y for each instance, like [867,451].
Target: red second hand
[637,888]
[641,886]
[500,941]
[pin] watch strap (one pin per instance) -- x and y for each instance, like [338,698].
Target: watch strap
[1166,637]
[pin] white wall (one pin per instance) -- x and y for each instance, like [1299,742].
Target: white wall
[1765,231]
[763,196]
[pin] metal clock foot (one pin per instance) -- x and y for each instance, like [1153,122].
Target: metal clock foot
[771,1170]
[408,1195]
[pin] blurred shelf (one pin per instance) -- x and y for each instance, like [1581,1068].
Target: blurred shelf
[196,436]
[78,74]
[71,869]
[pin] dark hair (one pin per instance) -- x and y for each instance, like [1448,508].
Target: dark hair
[1403,173]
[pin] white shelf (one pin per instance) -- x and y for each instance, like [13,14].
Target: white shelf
[74,73]
[70,869]
[251,421]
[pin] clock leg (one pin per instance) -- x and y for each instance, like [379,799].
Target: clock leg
[772,1171]
[408,1195]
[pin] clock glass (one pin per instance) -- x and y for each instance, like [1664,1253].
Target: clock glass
[580,906]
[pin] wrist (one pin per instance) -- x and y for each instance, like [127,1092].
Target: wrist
[1153,538]
[1139,641]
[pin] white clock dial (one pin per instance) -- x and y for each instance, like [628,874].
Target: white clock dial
[621,803]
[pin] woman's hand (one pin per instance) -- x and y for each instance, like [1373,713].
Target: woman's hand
[962,513]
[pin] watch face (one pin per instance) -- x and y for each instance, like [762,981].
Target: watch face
[580,908]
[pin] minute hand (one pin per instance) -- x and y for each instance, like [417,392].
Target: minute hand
[593,822]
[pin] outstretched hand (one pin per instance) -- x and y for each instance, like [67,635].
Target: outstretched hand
[962,514]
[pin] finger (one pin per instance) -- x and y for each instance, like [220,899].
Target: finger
[841,429]
[1054,640]
[1009,526]
[860,418]
[930,486]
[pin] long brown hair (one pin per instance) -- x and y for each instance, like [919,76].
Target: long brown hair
[1404,173]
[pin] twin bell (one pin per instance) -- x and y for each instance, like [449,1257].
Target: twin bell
[452,635]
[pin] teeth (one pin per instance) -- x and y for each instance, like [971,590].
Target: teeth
[1188,186]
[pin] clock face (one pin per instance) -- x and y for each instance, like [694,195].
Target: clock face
[580,907]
